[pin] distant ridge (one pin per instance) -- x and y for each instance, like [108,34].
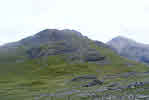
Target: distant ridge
[130,49]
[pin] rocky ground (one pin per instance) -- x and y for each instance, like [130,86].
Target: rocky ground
[97,88]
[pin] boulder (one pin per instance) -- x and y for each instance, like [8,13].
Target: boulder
[136,84]
[93,83]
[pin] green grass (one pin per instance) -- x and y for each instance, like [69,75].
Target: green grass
[22,80]
[46,75]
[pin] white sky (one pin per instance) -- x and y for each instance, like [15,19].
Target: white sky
[98,19]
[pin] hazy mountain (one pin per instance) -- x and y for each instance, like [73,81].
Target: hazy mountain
[130,49]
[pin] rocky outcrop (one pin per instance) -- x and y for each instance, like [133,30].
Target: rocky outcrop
[137,84]
[84,77]
[113,85]
[93,83]
[92,56]
[93,80]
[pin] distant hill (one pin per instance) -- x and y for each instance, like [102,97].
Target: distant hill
[130,49]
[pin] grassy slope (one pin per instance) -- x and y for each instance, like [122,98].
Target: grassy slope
[22,80]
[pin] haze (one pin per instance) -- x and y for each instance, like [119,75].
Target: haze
[98,19]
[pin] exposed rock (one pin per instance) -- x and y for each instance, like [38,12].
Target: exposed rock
[113,85]
[93,83]
[33,52]
[94,58]
[84,77]
[136,84]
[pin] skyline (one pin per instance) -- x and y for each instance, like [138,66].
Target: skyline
[98,19]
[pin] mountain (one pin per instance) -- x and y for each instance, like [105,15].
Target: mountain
[52,42]
[130,49]
[54,62]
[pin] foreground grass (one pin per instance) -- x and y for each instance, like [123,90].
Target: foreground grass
[24,80]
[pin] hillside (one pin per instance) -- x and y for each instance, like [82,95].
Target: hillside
[130,49]
[61,61]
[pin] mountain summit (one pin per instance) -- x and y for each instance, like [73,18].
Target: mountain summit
[52,42]
[130,49]
[120,42]
[56,42]
[48,35]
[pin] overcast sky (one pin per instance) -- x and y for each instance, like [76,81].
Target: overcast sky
[98,19]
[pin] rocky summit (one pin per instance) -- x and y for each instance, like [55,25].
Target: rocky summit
[66,42]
